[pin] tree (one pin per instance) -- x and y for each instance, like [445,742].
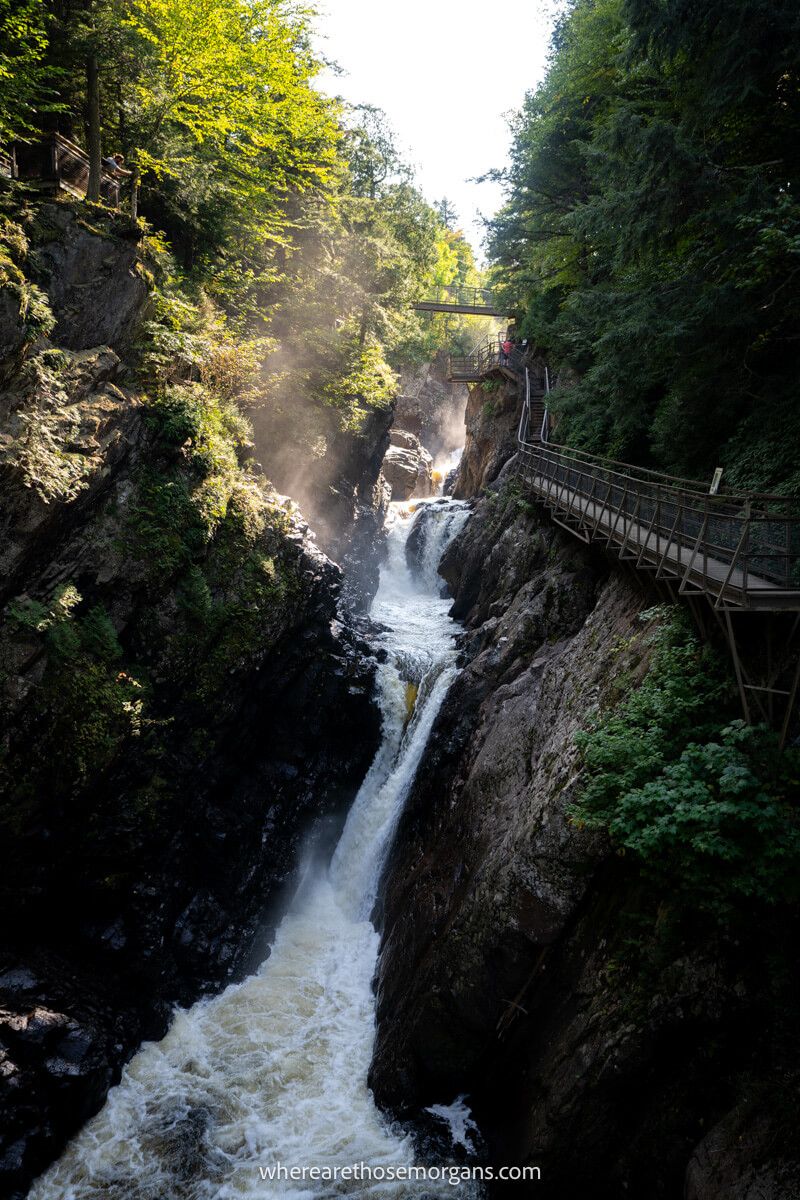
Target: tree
[23,72]
[447,213]
[650,236]
[233,76]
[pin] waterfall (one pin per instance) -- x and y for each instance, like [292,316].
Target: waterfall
[274,1070]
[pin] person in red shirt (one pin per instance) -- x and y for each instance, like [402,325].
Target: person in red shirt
[506,346]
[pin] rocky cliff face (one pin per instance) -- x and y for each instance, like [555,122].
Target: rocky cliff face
[521,964]
[335,475]
[491,419]
[408,466]
[180,703]
[432,407]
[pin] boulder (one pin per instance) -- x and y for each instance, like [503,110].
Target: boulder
[408,467]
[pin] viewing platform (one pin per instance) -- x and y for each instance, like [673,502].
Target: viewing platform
[471,301]
[736,552]
[485,360]
[740,552]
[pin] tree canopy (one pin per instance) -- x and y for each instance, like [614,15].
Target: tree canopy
[294,214]
[651,237]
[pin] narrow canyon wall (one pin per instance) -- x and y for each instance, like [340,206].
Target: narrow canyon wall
[491,421]
[521,963]
[180,701]
[431,406]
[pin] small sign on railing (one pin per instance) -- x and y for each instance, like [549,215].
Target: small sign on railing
[715,482]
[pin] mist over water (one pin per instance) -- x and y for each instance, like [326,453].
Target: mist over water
[274,1070]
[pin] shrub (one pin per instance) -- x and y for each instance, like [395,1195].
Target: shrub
[363,381]
[88,706]
[719,819]
[702,801]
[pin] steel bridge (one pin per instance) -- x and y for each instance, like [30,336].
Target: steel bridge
[736,554]
[472,301]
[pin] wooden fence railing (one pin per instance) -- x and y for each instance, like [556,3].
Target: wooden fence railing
[8,165]
[57,160]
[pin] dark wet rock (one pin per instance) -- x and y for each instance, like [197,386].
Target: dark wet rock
[92,276]
[738,1160]
[296,730]
[61,1047]
[403,439]
[408,467]
[144,868]
[463,900]
[520,964]
[12,324]
[492,421]
[65,427]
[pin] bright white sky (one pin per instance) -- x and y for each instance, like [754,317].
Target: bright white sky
[446,73]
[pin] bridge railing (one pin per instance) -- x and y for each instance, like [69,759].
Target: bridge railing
[466,297]
[738,546]
[486,358]
[8,164]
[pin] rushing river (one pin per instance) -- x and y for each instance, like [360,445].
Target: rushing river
[274,1070]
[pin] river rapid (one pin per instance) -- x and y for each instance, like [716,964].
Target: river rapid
[272,1073]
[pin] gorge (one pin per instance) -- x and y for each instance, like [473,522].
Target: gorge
[274,1070]
[399,656]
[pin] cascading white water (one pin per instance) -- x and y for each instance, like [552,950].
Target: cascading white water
[274,1070]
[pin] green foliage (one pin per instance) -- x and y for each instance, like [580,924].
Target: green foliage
[286,217]
[23,77]
[251,586]
[34,309]
[98,636]
[700,800]
[194,598]
[64,634]
[42,431]
[167,527]
[343,306]
[283,241]
[181,502]
[650,238]
[95,711]
[206,429]
[679,697]
[365,381]
[87,708]
[719,819]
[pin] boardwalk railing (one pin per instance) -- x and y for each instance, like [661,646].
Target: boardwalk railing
[741,550]
[59,161]
[471,300]
[8,165]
